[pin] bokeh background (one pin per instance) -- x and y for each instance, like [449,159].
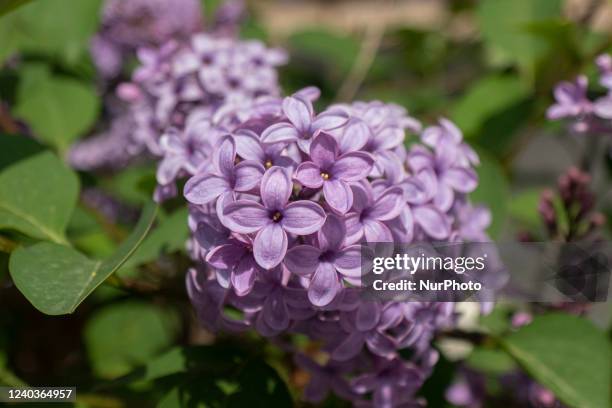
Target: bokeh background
[490,66]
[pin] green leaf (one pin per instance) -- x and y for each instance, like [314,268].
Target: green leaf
[123,336]
[58,109]
[40,28]
[56,278]
[14,148]
[10,5]
[504,27]
[492,191]
[490,361]
[169,236]
[486,97]
[566,354]
[523,208]
[37,197]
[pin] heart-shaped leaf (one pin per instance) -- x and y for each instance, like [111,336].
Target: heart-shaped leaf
[56,278]
[568,355]
[58,109]
[37,197]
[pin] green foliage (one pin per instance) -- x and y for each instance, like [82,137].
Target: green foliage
[7,6]
[492,191]
[484,98]
[170,235]
[58,109]
[568,355]
[56,278]
[56,28]
[523,208]
[490,361]
[125,335]
[504,26]
[217,376]
[37,196]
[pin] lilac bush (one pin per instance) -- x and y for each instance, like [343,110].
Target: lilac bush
[278,207]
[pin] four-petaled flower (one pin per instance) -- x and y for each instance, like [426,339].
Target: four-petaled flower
[303,124]
[325,261]
[333,172]
[273,218]
[227,176]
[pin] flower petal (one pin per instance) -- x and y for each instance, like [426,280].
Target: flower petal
[202,189]
[279,133]
[338,195]
[461,179]
[299,111]
[324,151]
[248,145]
[243,276]
[348,261]
[225,155]
[245,216]
[324,285]
[432,221]
[169,168]
[376,231]
[303,217]
[354,228]
[225,256]
[270,246]
[330,119]
[353,166]
[309,175]
[389,205]
[248,173]
[355,136]
[331,235]
[276,188]
[444,197]
[275,312]
[302,260]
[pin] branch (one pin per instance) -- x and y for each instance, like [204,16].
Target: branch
[369,48]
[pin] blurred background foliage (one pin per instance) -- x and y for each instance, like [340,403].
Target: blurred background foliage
[488,65]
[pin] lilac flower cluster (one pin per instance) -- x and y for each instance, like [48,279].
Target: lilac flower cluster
[278,207]
[129,25]
[190,94]
[587,116]
[183,71]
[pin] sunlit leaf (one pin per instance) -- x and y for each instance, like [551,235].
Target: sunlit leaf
[56,278]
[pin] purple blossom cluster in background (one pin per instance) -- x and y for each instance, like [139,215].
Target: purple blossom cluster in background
[278,208]
[128,25]
[586,115]
[183,79]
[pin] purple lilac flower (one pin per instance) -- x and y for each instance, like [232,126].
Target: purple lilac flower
[302,123]
[226,178]
[327,262]
[287,255]
[273,218]
[333,172]
[585,115]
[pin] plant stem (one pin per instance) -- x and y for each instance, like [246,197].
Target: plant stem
[6,245]
[372,39]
